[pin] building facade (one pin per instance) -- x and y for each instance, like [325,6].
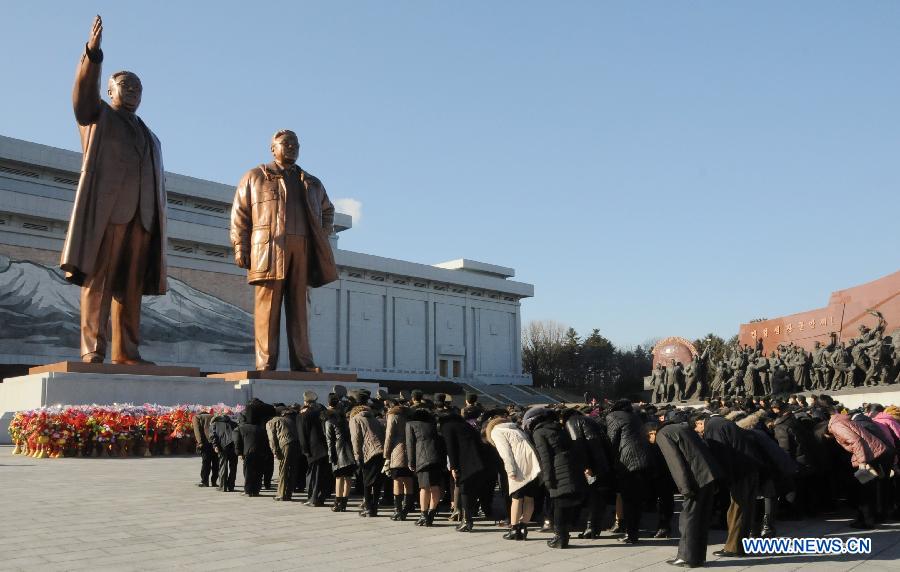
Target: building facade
[384,319]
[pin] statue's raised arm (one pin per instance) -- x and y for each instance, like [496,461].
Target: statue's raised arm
[86,93]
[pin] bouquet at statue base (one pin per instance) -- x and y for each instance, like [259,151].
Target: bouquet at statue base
[120,430]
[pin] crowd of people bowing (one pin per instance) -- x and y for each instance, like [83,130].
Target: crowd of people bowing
[737,465]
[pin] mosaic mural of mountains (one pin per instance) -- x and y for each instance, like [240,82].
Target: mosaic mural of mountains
[39,315]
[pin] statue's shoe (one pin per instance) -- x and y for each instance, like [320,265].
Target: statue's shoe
[93,357]
[132,361]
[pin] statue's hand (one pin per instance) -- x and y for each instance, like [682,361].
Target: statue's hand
[241,258]
[96,35]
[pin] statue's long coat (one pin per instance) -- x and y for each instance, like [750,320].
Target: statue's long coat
[95,197]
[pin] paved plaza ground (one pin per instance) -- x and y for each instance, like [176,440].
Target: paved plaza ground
[146,513]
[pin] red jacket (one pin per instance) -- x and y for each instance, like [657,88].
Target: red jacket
[862,445]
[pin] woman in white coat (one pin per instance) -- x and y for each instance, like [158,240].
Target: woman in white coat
[522,469]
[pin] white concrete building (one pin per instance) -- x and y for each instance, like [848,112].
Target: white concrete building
[384,319]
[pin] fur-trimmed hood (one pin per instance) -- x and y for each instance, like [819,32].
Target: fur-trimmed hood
[398,410]
[360,410]
[490,427]
[750,421]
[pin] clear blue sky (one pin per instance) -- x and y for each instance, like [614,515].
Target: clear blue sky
[653,168]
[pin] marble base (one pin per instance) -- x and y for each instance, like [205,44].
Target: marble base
[334,378]
[68,388]
[111,368]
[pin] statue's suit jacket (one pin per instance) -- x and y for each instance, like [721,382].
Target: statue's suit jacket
[258,226]
[110,178]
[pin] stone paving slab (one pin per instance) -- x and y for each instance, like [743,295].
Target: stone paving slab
[146,514]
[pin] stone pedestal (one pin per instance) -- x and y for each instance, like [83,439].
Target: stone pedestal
[68,387]
[849,398]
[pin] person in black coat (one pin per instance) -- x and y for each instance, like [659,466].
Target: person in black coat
[426,460]
[563,473]
[633,464]
[467,464]
[741,460]
[662,490]
[251,444]
[694,470]
[592,443]
[259,413]
[221,436]
[314,446]
[795,437]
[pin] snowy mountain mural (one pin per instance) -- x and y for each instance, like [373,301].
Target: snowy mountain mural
[40,315]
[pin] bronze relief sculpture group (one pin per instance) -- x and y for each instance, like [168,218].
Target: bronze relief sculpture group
[115,246]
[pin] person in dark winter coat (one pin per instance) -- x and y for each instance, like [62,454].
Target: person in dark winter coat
[285,445]
[367,437]
[315,449]
[797,440]
[590,439]
[662,489]
[563,472]
[221,436]
[259,413]
[467,464]
[694,470]
[340,453]
[776,474]
[741,459]
[209,463]
[426,460]
[633,464]
[251,444]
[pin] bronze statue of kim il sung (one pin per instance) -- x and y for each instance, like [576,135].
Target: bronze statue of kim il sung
[280,223]
[115,246]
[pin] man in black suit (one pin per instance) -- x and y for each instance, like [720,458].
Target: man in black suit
[694,470]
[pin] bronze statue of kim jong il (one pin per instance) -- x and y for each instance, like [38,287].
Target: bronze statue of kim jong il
[280,223]
[115,246]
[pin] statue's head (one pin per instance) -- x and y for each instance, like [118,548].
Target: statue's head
[817,345]
[285,147]
[125,89]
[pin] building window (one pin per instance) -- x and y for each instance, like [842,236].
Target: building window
[442,369]
[457,368]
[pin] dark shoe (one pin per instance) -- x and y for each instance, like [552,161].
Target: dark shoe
[860,524]
[337,504]
[547,527]
[398,508]
[523,531]
[423,518]
[558,542]
[628,540]
[663,533]
[429,517]
[93,357]
[513,533]
[455,516]
[682,563]
[467,526]
[202,485]
[278,499]
[726,553]
[767,530]
[214,484]
[616,528]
